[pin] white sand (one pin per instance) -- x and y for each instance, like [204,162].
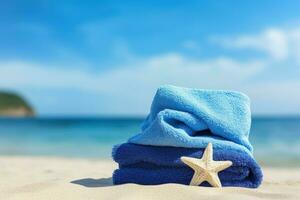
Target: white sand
[28,178]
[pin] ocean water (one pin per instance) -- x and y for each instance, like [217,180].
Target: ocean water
[276,141]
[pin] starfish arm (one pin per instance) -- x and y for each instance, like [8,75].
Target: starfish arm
[198,178]
[221,165]
[208,153]
[213,180]
[193,163]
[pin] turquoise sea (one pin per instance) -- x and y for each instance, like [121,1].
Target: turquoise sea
[276,140]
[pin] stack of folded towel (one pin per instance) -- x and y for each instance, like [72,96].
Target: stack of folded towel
[182,122]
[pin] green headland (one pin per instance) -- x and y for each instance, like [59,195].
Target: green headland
[14,105]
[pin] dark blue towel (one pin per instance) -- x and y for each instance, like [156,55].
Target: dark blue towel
[151,165]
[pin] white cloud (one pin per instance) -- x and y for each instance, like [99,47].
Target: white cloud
[274,97]
[278,43]
[169,68]
[26,75]
[129,89]
[130,86]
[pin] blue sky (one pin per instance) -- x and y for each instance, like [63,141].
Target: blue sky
[108,57]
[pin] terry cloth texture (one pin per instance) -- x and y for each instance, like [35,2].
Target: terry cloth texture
[182,122]
[181,117]
[151,165]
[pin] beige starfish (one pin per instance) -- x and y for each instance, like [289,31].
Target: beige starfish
[206,169]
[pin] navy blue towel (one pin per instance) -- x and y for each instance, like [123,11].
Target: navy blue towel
[152,165]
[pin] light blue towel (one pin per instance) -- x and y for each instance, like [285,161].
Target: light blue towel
[191,118]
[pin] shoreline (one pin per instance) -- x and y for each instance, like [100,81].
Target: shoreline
[25,177]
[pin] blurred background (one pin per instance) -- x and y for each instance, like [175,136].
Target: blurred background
[77,77]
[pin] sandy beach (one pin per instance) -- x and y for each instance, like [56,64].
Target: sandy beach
[59,178]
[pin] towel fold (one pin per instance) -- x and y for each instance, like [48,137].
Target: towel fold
[182,122]
[192,118]
[151,165]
